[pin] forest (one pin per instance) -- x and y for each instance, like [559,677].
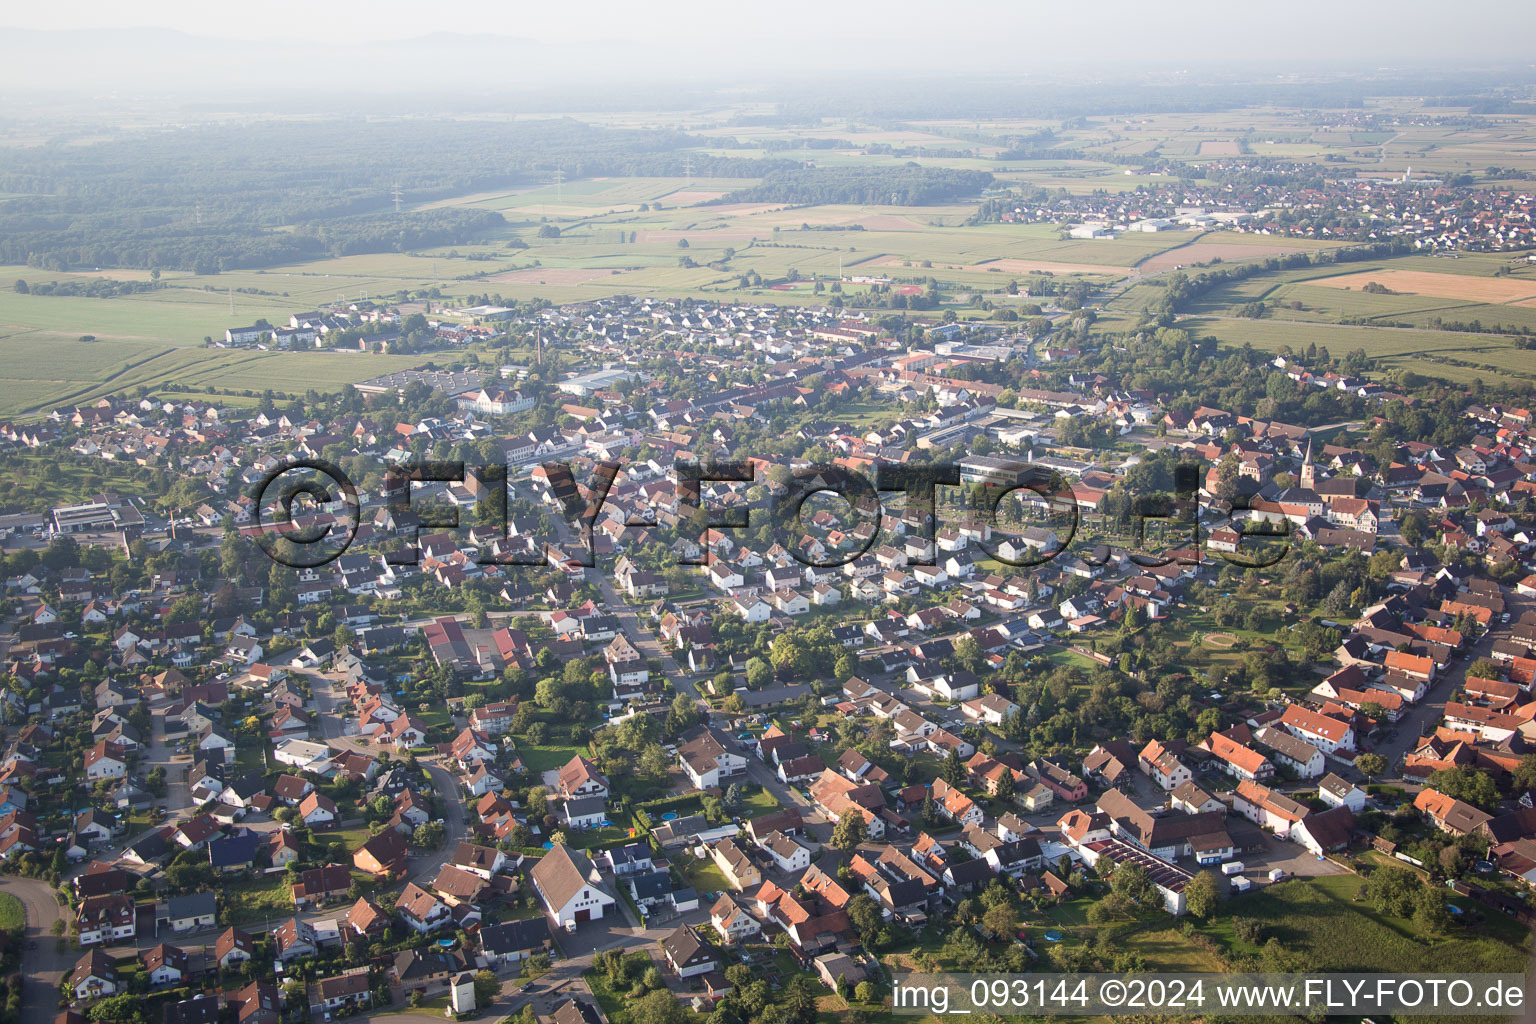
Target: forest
[226,197]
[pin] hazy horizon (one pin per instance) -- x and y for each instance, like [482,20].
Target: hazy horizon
[469,45]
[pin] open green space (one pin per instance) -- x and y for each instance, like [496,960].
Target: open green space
[13,914]
[266,897]
[1319,920]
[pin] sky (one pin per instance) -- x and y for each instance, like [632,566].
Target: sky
[983,31]
[390,47]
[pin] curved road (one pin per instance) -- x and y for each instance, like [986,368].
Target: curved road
[42,966]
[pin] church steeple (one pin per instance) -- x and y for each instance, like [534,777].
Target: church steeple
[1308,469]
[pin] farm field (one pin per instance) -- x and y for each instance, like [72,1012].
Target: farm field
[1227,246]
[1500,290]
[44,369]
[604,243]
[1453,356]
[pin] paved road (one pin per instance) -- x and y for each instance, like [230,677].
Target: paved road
[639,633]
[1422,719]
[333,725]
[42,966]
[178,802]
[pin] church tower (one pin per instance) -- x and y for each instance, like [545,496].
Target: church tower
[1308,469]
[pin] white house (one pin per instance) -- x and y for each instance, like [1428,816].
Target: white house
[1336,792]
[570,888]
[789,855]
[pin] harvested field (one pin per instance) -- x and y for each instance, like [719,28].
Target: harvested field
[705,235]
[846,216]
[744,209]
[549,275]
[1214,147]
[1497,290]
[1204,252]
[688,197]
[1011,266]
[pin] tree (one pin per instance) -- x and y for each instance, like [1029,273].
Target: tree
[953,769]
[1371,765]
[849,831]
[427,836]
[1132,881]
[864,914]
[968,653]
[759,674]
[487,988]
[1429,911]
[1392,890]
[1001,921]
[1202,894]
[656,1007]
[547,691]
[1524,775]
[865,992]
[1469,784]
[653,759]
[1482,668]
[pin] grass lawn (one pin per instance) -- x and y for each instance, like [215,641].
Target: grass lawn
[1166,950]
[704,876]
[543,759]
[252,757]
[13,916]
[255,899]
[590,838]
[1065,657]
[434,1007]
[1317,919]
[759,803]
[351,837]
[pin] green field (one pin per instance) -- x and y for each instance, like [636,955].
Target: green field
[263,898]
[47,369]
[1456,357]
[1318,920]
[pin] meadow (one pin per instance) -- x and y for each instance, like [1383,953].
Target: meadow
[1319,920]
[1458,357]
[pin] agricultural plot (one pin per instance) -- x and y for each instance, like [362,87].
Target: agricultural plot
[1449,355]
[44,369]
[1501,290]
[598,195]
[1228,247]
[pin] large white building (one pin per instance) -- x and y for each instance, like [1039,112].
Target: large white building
[570,888]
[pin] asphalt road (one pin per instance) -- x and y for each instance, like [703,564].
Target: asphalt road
[1422,719]
[43,966]
[639,633]
[333,726]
